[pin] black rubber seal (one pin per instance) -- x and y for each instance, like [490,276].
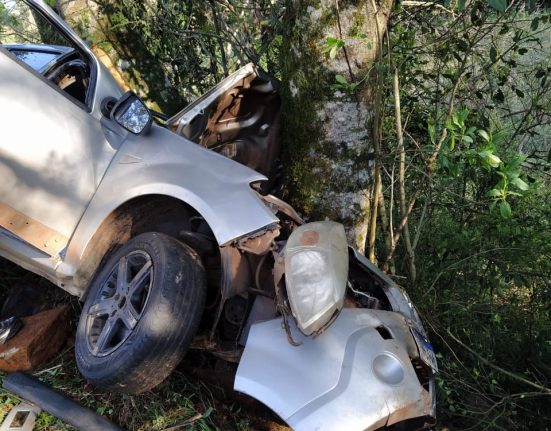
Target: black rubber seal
[56,403]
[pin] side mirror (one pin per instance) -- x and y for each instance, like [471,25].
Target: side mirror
[132,114]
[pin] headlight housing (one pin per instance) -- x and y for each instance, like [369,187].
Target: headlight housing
[316,271]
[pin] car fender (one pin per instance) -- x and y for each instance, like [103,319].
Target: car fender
[162,163]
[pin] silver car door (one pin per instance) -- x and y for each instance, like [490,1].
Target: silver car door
[53,155]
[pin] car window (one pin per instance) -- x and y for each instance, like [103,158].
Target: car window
[36,59]
[34,40]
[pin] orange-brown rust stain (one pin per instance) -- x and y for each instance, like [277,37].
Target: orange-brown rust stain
[419,407]
[32,231]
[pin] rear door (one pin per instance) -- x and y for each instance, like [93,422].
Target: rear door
[53,153]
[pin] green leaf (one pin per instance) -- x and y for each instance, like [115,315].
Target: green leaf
[499,5]
[493,160]
[493,54]
[535,24]
[456,119]
[494,193]
[505,209]
[332,45]
[431,129]
[511,175]
[467,139]
[444,161]
[490,158]
[463,114]
[520,184]
[484,135]
[341,80]
[515,163]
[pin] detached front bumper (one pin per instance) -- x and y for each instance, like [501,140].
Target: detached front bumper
[362,373]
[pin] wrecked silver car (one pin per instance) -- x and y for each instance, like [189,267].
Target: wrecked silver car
[168,234]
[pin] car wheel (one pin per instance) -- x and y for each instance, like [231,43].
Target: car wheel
[142,310]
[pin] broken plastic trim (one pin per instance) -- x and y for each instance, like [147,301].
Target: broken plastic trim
[9,327]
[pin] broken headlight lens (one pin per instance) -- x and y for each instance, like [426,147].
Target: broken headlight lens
[316,271]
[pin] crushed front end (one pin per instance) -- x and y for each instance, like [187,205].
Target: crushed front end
[338,345]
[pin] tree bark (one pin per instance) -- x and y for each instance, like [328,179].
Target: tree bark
[328,143]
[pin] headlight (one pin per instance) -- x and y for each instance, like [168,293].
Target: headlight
[316,270]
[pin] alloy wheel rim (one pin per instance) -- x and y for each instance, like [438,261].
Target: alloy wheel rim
[119,304]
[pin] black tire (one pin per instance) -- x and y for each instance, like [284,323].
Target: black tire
[151,329]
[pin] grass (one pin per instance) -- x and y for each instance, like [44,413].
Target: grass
[194,397]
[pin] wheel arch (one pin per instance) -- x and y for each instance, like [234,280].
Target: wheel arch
[145,213]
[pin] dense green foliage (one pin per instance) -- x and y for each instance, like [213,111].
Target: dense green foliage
[173,51]
[477,81]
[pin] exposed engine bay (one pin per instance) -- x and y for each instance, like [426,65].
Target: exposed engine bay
[255,322]
[293,297]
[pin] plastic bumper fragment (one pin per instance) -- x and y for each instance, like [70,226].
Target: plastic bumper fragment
[357,375]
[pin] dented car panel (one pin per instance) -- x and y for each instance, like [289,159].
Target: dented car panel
[354,376]
[163,163]
[398,298]
[238,118]
[365,362]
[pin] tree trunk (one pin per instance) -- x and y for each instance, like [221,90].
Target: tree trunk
[329,155]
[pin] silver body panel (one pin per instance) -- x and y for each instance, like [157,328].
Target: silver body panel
[336,381]
[53,154]
[166,164]
[398,298]
[68,169]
